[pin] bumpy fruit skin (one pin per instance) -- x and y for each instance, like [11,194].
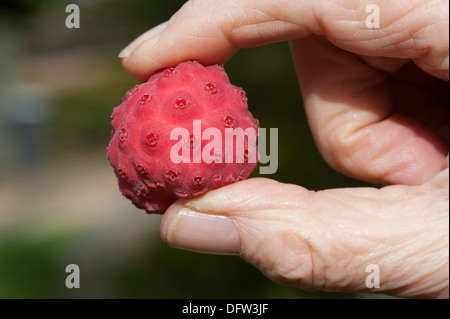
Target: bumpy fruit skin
[139,150]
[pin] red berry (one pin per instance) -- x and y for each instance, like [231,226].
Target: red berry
[141,143]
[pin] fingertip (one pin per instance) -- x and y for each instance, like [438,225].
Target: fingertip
[169,49]
[196,231]
[125,53]
[141,62]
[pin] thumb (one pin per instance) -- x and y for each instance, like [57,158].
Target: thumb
[324,240]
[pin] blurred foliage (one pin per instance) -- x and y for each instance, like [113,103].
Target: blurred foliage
[161,273]
[21,7]
[30,267]
[84,117]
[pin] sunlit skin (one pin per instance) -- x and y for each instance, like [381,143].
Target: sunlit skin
[377,104]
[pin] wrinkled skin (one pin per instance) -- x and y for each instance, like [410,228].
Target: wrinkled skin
[377,104]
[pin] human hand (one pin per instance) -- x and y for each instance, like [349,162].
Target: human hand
[377,104]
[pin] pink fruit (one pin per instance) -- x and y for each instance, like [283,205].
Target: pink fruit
[140,146]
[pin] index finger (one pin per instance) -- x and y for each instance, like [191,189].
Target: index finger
[212,31]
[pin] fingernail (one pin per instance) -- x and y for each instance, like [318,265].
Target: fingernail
[200,232]
[125,53]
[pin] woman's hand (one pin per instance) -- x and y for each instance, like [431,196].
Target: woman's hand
[377,104]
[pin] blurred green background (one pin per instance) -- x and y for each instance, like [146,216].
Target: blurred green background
[59,200]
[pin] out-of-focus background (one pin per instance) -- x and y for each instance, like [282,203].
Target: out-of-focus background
[59,200]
